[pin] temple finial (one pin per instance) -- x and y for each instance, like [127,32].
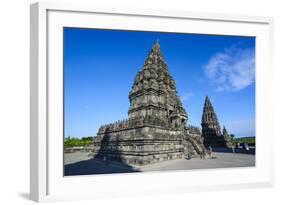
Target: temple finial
[207,101]
[156,45]
[157,41]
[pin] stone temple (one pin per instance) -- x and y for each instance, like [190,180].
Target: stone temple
[156,128]
[211,130]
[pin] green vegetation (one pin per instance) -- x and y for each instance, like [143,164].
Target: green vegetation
[248,140]
[77,142]
[84,141]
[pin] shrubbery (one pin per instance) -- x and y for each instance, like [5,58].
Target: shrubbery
[77,142]
[84,141]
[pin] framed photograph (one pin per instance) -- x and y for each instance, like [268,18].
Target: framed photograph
[127,102]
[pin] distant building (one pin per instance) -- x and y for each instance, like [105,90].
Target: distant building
[156,128]
[211,130]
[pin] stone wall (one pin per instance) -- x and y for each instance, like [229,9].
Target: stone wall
[140,146]
[140,143]
[131,123]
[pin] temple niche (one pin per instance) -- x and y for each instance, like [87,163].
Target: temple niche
[156,128]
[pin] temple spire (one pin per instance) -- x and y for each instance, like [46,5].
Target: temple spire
[209,116]
[156,49]
[211,130]
[208,105]
[224,132]
[210,125]
[154,76]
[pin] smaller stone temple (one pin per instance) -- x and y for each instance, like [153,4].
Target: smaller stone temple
[211,130]
[156,128]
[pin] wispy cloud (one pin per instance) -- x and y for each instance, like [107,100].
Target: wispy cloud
[231,70]
[185,96]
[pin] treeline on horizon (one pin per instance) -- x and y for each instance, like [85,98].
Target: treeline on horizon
[77,142]
[248,140]
[85,141]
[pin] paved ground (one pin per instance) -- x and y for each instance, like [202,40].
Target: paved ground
[80,163]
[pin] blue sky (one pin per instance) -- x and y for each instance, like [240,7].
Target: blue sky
[100,67]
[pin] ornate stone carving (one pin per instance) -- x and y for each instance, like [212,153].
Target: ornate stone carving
[211,130]
[156,128]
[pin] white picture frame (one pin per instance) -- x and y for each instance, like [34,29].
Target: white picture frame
[46,161]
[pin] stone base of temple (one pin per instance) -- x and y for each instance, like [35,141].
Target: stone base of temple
[217,141]
[132,159]
[146,145]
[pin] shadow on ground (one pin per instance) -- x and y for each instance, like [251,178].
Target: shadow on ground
[97,166]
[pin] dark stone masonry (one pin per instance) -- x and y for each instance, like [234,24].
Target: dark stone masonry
[156,128]
[211,130]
